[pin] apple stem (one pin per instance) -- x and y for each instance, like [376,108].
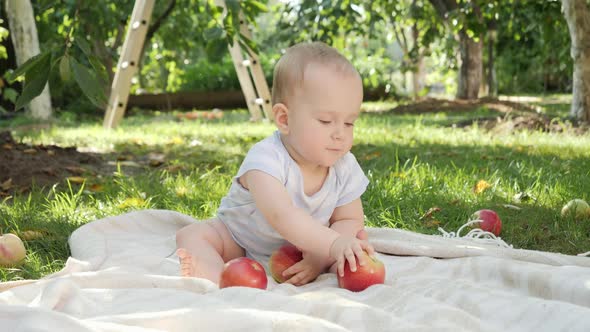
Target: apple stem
[476,234]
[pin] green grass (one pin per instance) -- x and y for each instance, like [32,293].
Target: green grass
[414,163]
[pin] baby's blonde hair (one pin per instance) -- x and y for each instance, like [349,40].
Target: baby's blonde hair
[290,69]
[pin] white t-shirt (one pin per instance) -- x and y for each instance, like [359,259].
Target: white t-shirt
[345,183]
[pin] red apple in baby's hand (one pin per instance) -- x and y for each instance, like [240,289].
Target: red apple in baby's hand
[245,272]
[490,221]
[372,273]
[282,259]
[12,250]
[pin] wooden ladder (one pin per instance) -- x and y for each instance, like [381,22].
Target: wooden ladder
[246,64]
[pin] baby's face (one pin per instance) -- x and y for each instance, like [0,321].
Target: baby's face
[322,115]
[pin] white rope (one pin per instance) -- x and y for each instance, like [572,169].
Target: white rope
[476,234]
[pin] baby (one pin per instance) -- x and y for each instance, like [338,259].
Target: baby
[300,185]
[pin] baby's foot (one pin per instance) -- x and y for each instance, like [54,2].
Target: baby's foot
[187,266]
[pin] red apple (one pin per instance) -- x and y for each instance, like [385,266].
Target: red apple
[282,259]
[245,272]
[12,250]
[372,273]
[490,222]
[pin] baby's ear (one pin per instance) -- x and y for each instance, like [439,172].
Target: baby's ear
[281,117]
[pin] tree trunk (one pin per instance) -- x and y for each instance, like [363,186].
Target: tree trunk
[419,71]
[470,72]
[491,67]
[23,32]
[577,15]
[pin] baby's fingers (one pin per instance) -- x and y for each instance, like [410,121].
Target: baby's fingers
[340,267]
[297,279]
[294,269]
[368,248]
[360,254]
[350,257]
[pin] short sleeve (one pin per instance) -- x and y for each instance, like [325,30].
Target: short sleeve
[353,181]
[265,157]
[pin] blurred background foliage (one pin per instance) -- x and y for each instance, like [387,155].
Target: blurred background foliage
[386,40]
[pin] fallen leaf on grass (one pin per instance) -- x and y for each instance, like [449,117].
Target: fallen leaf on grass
[96,187]
[432,223]
[122,157]
[176,141]
[76,170]
[192,115]
[401,175]
[124,163]
[481,186]
[181,191]
[132,202]
[156,159]
[174,168]
[372,155]
[49,171]
[30,235]
[76,179]
[429,213]
[6,185]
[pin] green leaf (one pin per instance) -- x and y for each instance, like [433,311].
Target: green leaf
[233,6]
[83,45]
[35,79]
[99,69]
[215,50]
[213,33]
[22,69]
[64,68]
[259,6]
[10,94]
[88,83]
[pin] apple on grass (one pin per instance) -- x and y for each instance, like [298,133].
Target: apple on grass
[282,259]
[12,250]
[244,272]
[576,207]
[372,273]
[490,221]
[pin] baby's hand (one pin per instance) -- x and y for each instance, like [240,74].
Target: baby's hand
[349,248]
[305,271]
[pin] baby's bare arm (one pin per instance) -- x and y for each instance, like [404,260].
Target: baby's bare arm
[293,223]
[348,219]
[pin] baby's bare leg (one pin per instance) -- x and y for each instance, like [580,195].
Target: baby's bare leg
[204,247]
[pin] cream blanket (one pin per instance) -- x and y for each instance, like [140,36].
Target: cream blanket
[122,277]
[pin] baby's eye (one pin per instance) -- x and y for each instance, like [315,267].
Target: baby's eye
[324,121]
[349,124]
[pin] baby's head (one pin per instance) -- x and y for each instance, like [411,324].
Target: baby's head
[289,73]
[316,96]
